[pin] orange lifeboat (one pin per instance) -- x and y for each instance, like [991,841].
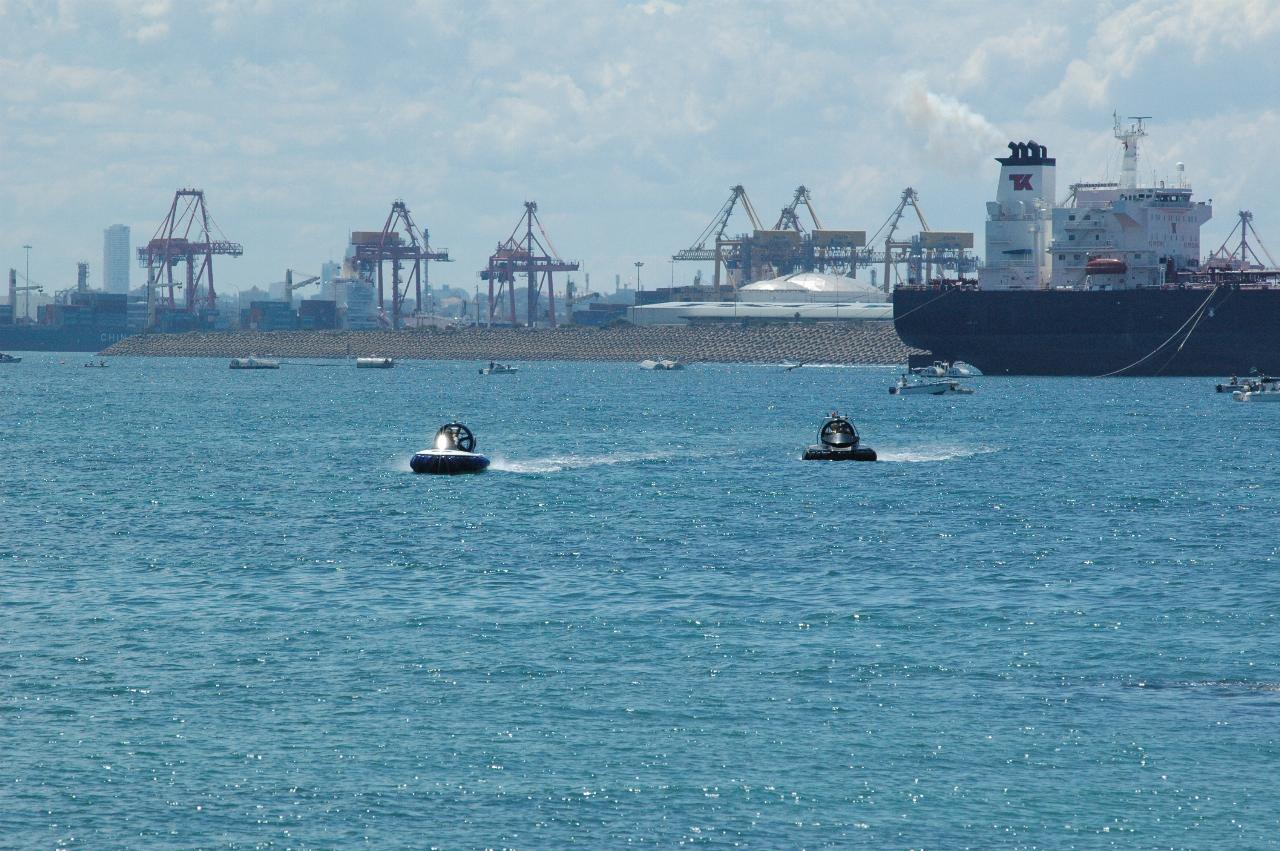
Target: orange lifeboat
[1105,266]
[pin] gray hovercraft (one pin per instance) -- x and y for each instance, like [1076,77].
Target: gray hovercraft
[452,452]
[838,441]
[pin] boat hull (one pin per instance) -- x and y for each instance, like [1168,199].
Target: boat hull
[822,453]
[447,462]
[1096,332]
[45,338]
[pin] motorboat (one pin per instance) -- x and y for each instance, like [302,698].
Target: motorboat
[912,384]
[945,369]
[4,358]
[99,365]
[254,362]
[960,369]
[838,440]
[665,364]
[1256,382]
[1259,392]
[453,451]
[374,363]
[497,369]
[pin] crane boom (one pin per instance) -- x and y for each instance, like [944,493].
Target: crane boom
[790,219]
[714,232]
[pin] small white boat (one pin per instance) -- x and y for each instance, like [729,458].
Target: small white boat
[943,369]
[497,369]
[914,385]
[1253,383]
[1259,393]
[960,369]
[661,364]
[9,358]
[253,362]
[374,363]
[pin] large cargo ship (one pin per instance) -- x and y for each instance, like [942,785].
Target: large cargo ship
[1108,283]
[78,321]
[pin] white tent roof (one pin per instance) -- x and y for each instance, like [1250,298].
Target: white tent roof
[816,283]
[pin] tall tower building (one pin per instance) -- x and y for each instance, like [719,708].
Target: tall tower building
[115,259]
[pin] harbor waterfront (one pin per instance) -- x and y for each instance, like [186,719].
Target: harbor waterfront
[233,617]
[872,342]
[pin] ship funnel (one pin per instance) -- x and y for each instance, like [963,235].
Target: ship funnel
[1020,222]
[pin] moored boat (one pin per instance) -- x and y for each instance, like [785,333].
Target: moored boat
[661,365]
[254,362]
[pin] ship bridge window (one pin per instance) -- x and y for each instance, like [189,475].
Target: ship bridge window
[1062,257]
[1086,217]
[1071,236]
[1071,218]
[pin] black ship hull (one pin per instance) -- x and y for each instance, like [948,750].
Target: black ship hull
[45,338]
[1222,330]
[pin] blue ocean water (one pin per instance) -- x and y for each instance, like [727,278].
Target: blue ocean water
[230,616]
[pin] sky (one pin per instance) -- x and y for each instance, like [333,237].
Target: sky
[627,122]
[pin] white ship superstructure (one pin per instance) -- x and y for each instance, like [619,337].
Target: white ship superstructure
[1106,235]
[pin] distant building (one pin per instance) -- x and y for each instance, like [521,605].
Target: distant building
[115,259]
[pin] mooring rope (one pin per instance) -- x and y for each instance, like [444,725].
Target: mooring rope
[944,294]
[1193,320]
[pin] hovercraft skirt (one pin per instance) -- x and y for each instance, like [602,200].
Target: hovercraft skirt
[821,453]
[448,463]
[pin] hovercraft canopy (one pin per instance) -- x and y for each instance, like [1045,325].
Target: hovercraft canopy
[838,440]
[838,433]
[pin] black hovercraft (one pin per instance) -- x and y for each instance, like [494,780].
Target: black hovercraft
[838,441]
[452,452]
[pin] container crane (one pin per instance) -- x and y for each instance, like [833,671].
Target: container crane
[1243,256]
[532,255]
[789,220]
[714,234]
[414,245]
[187,235]
[909,199]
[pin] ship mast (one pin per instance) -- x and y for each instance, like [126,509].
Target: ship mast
[1129,138]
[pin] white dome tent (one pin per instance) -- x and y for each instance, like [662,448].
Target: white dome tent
[810,287]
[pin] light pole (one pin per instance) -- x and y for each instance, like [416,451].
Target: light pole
[639,263]
[27,282]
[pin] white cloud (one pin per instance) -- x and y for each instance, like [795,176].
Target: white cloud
[1124,41]
[1030,46]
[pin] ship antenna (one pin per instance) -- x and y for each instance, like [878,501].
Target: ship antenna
[1129,138]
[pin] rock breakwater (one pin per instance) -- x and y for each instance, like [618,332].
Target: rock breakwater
[844,343]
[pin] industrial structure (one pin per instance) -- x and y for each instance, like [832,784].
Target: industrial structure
[400,242]
[185,237]
[529,254]
[1242,257]
[793,245]
[944,251]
